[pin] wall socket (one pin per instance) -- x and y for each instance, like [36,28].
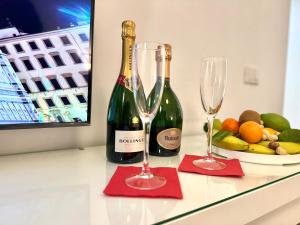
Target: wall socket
[251,75]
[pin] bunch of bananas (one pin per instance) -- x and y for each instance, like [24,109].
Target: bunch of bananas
[226,140]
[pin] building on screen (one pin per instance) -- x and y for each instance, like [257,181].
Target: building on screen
[15,104]
[53,67]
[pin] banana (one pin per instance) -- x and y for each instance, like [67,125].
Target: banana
[290,147]
[260,149]
[264,143]
[285,147]
[232,143]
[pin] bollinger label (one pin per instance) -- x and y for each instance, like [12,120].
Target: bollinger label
[129,141]
[169,138]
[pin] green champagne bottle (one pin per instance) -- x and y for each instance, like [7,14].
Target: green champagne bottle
[166,127]
[125,135]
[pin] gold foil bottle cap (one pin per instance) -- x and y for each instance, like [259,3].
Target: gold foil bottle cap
[168,52]
[128,29]
[168,49]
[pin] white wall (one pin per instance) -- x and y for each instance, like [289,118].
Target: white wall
[247,32]
[291,107]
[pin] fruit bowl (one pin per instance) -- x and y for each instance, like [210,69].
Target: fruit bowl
[257,138]
[258,158]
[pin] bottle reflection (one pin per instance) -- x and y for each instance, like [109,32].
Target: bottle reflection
[122,210]
[170,161]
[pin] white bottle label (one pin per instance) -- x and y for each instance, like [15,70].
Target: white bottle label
[129,141]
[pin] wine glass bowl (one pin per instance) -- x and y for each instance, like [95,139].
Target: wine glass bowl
[147,81]
[212,83]
[213,77]
[147,69]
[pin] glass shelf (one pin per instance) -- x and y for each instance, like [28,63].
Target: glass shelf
[65,187]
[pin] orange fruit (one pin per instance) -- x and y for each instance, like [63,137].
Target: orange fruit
[230,124]
[251,132]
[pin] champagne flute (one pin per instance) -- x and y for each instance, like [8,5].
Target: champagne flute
[148,75]
[213,76]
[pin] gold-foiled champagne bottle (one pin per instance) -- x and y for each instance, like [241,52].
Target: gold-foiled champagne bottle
[125,135]
[166,127]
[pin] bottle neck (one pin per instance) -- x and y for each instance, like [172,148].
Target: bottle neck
[166,71]
[127,47]
[167,82]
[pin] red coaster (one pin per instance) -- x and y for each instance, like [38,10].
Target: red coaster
[233,167]
[117,186]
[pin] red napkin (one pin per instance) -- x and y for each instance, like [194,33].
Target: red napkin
[233,167]
[118,187]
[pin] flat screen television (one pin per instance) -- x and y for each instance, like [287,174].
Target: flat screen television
[45,63]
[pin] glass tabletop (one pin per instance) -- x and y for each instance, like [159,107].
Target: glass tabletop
[66,187]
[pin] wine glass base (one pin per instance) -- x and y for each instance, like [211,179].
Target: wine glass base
[209,164]
[145,182]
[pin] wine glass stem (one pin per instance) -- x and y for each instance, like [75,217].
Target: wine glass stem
[210,121]
[146,168]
